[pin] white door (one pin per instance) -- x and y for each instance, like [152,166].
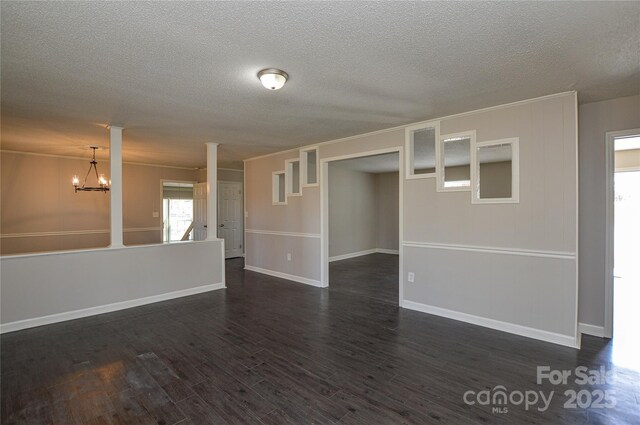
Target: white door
[230,217]
[199,211]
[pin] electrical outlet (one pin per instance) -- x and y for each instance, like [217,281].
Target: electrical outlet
[411,277]
[289,256]
[156,214]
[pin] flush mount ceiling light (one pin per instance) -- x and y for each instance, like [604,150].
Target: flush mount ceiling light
[273,79]
[103,184]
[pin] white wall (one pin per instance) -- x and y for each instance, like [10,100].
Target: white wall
[520,258]
[38,289]
[595,120]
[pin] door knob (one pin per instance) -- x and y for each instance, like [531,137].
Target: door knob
[222,225]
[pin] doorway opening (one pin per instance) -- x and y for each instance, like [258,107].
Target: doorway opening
[361,224]
[624,242]
[231,217]
[177,211]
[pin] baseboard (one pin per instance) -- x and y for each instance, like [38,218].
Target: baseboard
[361,253]
[352,255]
[539,334]
[387,251]
[593,330]
[92,311]
[287,276]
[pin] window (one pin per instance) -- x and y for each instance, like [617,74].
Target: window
[495,174]
[177,211]
[279,196]
[420,145]
[292,171]
[309,167]
[454,160]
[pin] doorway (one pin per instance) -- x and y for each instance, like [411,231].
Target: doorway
[177,211]
[624,242]
[361,224]
[230,218]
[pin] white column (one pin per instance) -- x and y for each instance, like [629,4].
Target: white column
[115,160]
[212,191]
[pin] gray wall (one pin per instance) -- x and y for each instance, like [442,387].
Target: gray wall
[595,120]
[46,288]
[363,211]
[352,211]
[496,180]
[520,258]
[388,211]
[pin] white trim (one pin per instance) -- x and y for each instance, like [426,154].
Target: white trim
[324,211]
[400,127]
[92,311]
[212,191]
[223,263]
[494,250]
[287,276]
[387,251]
[245,213]
[525,331]
[440,168]
[363,253]
[76,232]
[352,255]
[226,169]
[106,248]
[161,212]
[610,137]
[106,159]
[382,151]
[515,172]
[60,233]
[408,148]
[275,232]
[115,187]
[303,167]
[587,329]
[577,219]
[288,183]
[275,187]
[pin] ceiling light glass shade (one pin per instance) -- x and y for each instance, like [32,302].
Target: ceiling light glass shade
[272,79]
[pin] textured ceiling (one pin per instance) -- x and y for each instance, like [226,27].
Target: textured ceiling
[179,74]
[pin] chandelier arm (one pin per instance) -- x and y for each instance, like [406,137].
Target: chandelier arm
[95,167]
[87,176]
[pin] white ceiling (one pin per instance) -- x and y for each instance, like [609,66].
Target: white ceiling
[179,74]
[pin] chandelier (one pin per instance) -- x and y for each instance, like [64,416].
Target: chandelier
[103,184]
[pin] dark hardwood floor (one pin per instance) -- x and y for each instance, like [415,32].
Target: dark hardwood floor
[269,351]
[373,276]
